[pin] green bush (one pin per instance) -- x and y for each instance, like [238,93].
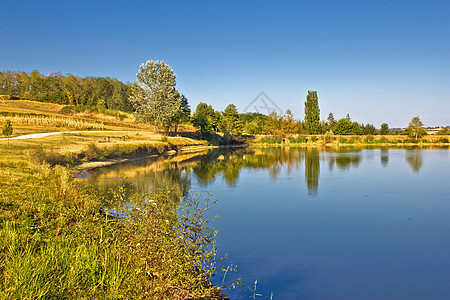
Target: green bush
[313,138]
[369,139]
[277,139]
[342,140]
[354,140]
[93,152]
[410,141]
[298,140]
[443,140]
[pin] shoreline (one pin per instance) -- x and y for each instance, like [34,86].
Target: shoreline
[86,166]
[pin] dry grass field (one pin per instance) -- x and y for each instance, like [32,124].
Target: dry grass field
[32,117]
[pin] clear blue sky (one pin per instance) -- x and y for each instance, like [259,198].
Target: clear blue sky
[379,61]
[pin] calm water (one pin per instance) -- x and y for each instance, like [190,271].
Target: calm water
[319,224]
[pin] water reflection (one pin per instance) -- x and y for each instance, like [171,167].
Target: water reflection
[384,157]
[312,170]
[414,159]
[148,175]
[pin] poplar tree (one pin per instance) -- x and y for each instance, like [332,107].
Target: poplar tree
[312,113]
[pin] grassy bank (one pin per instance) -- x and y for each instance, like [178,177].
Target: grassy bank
[57,242]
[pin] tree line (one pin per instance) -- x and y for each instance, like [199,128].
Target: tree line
[102,92]
[155,99]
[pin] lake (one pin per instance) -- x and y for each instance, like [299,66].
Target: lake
[318,223]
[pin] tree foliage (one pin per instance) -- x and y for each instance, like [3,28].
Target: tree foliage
[231,124]
[331,121]
[312,113]
[415,128]
[154,96]
[203,118]
[7,128]
[184,114]
[68,90]
[384,130]
[343,127]
[369,129]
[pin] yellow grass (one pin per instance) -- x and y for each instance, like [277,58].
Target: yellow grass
[31,120]
[51,118]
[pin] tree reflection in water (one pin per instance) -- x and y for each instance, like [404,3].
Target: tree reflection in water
[414,159]
[312,170]
[149,175]
[384,157]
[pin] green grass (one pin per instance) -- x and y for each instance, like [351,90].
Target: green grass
[57,242]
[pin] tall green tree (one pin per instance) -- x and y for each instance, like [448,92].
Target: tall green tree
[356,129]
[312,113]
[347,117]
[203,118]
[231,123]
[384,130]
[184,114]
[331,121]
[154,95]
[343,127]
[415,128]
[369,129]
[288,122]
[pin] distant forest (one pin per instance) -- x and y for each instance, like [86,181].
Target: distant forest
[103,92]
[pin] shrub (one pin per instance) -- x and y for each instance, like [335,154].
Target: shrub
[277,139]
[40,156]
[164,139]
[298,140]
[443,140]
[354,140]
[369,139]
[410,141]
[342,140]
[329,137]
[383,140]
[93,152]
[313,138]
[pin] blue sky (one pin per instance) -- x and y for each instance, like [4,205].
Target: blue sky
[379,61]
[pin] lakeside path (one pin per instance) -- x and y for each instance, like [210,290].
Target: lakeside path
[44,134]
